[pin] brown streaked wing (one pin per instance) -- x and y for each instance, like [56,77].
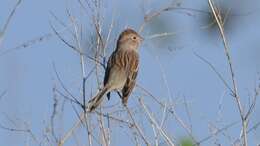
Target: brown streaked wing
[133,60]
[128,88]
[107,72]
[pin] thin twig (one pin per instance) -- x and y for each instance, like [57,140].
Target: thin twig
[81,118]
[156,138]
[137,127]
[64,41]
[63,86]
[11,15]
[215,70]
[54,113]
[153,121]
[33,41]
[218,18]
[27,130]
[252,106]
[188,112]
[2,32]
[71,131]
[61,23]
[170,110]
[215,133]
[102,128]
[14,129]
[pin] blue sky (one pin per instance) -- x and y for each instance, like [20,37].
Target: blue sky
[169,68]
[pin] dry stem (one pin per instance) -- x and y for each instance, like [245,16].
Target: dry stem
[220,23]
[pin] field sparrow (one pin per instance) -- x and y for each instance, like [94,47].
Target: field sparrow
[121,70]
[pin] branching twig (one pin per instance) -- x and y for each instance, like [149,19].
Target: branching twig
[153,121]
[216,132]
[27,130]
[170,110]
[79,121]
[218,18]
[137,127]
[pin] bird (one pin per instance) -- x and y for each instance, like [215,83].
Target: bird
[121,70]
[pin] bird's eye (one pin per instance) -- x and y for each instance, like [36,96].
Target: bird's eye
[134,38]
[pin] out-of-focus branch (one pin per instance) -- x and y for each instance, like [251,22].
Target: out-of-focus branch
[175,6]
[159,35]
[253,127]
[33,41]
[3,94]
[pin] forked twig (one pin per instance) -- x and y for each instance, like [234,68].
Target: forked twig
[171,111]
[153,121]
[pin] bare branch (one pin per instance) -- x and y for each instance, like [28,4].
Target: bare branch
[220,23]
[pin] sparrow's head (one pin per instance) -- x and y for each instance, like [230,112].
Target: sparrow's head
[129,39]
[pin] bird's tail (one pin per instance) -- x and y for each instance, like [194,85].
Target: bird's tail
[95,102]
